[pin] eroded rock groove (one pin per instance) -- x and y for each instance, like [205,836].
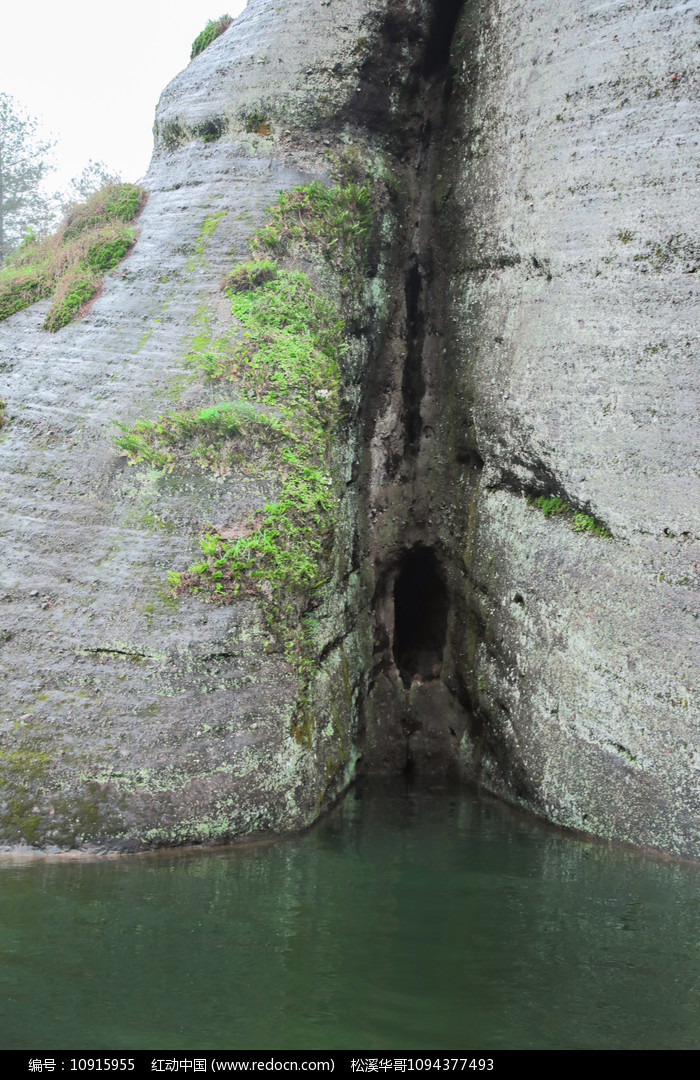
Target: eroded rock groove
[414,716]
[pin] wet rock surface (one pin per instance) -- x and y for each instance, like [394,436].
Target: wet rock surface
[527,329]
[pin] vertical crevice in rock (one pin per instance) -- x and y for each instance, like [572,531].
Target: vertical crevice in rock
[413,383]
[415,716]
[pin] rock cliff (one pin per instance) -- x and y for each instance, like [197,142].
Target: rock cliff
[508,593]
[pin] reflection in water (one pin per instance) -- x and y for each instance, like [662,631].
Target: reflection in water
[403,921]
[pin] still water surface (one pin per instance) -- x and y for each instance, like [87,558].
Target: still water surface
[402,922]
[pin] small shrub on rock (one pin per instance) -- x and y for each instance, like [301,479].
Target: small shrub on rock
[249,275]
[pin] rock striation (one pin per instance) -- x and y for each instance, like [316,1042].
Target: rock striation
[524,332]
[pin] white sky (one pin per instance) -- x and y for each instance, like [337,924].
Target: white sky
[92,72]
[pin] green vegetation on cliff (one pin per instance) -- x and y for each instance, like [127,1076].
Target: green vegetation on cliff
[284,359]
[218,437]
[213,29]
[288,361]
[68,266]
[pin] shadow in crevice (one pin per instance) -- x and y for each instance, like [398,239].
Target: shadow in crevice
[413,382]
[439,44]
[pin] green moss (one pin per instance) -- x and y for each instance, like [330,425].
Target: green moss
[197,258]
[24,762]
[552,505]
[549,504]
[106,252]
[587,523]
[303,726]
[22,772]
[213,29]
[3,414]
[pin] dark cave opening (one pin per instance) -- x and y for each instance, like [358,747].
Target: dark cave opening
[420,616]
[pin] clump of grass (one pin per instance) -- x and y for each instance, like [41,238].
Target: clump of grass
[285,359]
[334,220]
[213,30]
[552,505]
[114,202]
[249,275]
[288,359]
[93,238]
[207,435]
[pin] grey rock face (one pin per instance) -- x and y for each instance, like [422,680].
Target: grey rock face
[128,717]
[527,329]
[575,300]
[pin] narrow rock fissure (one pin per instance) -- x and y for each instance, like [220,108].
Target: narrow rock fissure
[413,383]
[414,716]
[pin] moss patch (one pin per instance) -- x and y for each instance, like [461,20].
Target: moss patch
[21,289]
[553,506]
[22,773]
